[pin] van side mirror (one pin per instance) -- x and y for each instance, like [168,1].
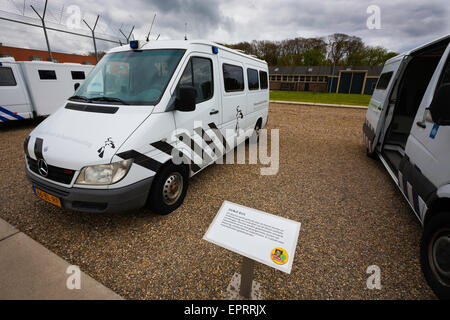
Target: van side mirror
[76,86]
[186,99]
[440,106]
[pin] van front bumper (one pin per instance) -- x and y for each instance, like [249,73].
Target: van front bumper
[94,200]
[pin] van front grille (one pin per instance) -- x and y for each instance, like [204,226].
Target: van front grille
[57,174]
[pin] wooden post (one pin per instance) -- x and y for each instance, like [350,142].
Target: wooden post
[247,277]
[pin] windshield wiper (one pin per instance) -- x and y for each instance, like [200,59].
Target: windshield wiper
[108,99]
[80,98]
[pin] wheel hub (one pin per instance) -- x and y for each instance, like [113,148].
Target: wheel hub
[173,187]
[441,255]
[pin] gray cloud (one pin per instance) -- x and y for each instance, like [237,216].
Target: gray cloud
[404,24]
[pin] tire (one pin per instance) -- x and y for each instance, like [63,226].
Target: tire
[255,136]
[372,155]
[435,254]
[164,196]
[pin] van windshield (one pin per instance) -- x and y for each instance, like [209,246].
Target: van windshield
[130,77]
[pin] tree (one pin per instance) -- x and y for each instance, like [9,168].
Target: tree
[314,57]
[336,49]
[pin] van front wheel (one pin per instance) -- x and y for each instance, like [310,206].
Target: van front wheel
[168,189]
[435,254]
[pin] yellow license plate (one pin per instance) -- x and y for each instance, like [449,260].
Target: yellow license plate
[48,197]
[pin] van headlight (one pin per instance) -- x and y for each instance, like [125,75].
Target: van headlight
[104,174]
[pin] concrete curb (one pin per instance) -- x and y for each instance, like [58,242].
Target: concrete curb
[319,104]
[32,272]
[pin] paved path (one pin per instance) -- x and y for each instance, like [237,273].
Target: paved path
[30,271]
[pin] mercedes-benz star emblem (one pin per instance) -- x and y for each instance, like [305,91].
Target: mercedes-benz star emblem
[42,167]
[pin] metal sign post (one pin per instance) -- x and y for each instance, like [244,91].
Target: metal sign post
[247,270]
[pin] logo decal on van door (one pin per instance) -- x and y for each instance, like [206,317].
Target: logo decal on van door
[239,115]
[108,142]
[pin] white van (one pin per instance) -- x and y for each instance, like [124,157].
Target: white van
[408,127]
[134,131]
[30,89]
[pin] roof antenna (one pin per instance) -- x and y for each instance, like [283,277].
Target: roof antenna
[185,31]
[157,37]
[148,35]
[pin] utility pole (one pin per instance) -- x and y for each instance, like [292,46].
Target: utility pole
[45,29]
[93,35]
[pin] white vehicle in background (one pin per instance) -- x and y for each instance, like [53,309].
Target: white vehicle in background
[31,89]
[113,146]
[408,127]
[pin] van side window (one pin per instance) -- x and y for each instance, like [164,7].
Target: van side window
[263,79]
[233,77]
[384,80]
[252,77]
[7,77]
[47,74]
[199,74]
[78,75]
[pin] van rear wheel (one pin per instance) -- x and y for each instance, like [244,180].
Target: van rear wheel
[168,189]
[435,254]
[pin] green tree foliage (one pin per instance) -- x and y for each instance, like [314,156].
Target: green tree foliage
[336,49]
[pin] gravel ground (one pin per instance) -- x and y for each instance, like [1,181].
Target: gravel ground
[351,212]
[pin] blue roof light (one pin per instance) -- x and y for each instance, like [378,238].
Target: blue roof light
[215,50]
[134,44]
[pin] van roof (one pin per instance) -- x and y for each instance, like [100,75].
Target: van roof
[406,53]
[182,44]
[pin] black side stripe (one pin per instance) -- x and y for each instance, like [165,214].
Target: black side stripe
[141,159]
[195,147]
[167,148]
[38,148]
[163,146]
[219,135]
[424,187]
[216,149]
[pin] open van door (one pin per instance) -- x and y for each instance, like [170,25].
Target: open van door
[381,102]
[428,148]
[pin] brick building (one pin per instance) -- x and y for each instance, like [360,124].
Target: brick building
[21,54]
[358,80]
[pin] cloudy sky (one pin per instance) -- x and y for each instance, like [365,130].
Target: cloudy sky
[404,23]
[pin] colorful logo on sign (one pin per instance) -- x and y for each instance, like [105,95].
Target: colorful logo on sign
[279,256]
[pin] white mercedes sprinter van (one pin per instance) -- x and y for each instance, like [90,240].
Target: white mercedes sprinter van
[148,116]
[408,127]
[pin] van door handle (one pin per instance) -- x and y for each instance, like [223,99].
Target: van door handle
[214,111]
[421,124]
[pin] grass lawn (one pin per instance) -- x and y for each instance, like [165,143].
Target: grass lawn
[321,97]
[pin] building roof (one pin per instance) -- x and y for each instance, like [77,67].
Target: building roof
[323,70]
[22,54]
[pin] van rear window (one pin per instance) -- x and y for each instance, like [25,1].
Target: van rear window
[384,80]
[7,77]
[263,79]
[78,75]
[47,74]
[233,77]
